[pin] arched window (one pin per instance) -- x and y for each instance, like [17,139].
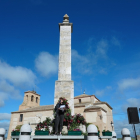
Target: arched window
[79,100]
[32,98]
[21,118]
[36,99]
[26,97]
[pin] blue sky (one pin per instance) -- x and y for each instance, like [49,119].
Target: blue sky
[105,52]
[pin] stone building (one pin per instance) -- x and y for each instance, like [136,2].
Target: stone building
[94,111]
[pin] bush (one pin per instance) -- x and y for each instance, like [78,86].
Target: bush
[44,125]
[98,128]
[106,131]
[77,119]
[72,122]
[17,129]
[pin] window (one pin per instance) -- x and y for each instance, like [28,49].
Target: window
[21,117]
[79,100]
[36,99]
[26,97]
[32,98]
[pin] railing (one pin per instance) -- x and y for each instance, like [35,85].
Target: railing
[14,137]
[37,137]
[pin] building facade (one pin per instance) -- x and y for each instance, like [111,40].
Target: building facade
[94,111]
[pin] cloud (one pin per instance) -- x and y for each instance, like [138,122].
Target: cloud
[46,64]
[18,76]
[129,83]
[1,100]
[96,59]
[3,97]
[81,63]
[131,102]
[102,47]
[88,63]
[115,41]
[5,116]
[123,123]
[103,71]
[5,125]
[12,78]
[9,90]
[101,92]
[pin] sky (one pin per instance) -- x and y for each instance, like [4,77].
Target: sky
[105,53]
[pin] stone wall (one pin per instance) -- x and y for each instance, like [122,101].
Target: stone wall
[64,72]
[107,115]
[65,89]
[91,116]
[28,117]
[28,102]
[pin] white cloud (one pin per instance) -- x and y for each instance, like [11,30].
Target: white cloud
[9,90]
[46,64]
[1,101]
[5,116]
[5,125]
[102,47]
[131,102]
[103,71]
[115,41]
[101,92]
[3,97]
[12,78]
[96,59]
[120,124]
[81,63]
[108,87]
[18,76]
[129,83]
[78,57]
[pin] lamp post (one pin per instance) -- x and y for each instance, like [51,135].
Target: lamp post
[5,133]
[112,125]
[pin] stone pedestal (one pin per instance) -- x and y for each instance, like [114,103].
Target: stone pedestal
[65,89]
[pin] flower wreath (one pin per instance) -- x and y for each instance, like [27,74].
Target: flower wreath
[72,122]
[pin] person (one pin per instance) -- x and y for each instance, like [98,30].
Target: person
[59,116]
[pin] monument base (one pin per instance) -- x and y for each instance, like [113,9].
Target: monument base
[65,89]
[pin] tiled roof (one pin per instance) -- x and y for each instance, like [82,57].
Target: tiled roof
[97,103]
[95,107]
[34,92]
[82,95]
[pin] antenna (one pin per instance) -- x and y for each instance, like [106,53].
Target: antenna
[81,86]
[84,92]
[35,87]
